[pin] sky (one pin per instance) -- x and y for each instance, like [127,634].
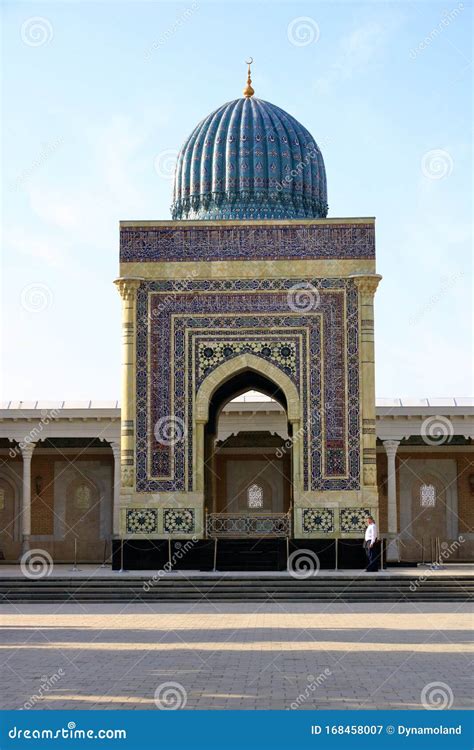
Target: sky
[99,97]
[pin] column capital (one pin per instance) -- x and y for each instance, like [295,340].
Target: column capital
[27,450]
[366,283]
[391,447]
[115,445]
[127,287]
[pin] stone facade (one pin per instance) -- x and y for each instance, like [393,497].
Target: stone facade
[202,241]
[71,499]
[252,303]
[451,472]
[72,489]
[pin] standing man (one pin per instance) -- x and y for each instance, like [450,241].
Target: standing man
[369,545]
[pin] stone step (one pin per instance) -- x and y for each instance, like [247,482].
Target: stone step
[211,580]
[381,587]
[237,591]
[241,592]
[236,594]
[286,585]
[292,585]
[193,597]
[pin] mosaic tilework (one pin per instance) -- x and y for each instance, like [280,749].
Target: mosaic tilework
[141,521]
[318,520]
[211,353]
[186,333]
[249,159]
[234,242]
[282,328]
[326,375]
[353,519]
[176,520]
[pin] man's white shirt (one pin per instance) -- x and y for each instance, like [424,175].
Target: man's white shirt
[371,533]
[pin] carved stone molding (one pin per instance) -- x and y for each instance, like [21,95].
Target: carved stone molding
[126,476]
[391,447]
[367,283]
[127,287]
[115,449]
[27,450]
[370,475]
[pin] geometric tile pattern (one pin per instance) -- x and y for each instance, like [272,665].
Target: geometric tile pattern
[283,351]
[249,160]
[211,354]
[177,520]
[353,519]
[318,519]
[240,242]
[141,520]
[178,322]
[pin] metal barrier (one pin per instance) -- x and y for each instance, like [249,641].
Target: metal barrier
[74,568]
[436,550]
[246,525]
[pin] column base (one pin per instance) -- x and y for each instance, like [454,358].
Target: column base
[25,544]
[393,550]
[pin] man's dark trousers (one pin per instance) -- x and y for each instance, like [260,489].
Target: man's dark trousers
[371,553]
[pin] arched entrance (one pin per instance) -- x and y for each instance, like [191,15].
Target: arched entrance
[254,471]
[248,450]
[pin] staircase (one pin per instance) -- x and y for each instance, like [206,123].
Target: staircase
[230,587]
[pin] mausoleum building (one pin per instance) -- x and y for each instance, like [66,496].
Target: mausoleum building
[250,287]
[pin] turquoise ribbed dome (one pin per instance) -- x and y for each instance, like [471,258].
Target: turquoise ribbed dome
[250,160]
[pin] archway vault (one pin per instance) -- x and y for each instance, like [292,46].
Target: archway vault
[226,371]
[237,365]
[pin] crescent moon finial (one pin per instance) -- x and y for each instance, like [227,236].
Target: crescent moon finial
[248,90]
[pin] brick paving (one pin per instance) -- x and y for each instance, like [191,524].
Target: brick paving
[234,656]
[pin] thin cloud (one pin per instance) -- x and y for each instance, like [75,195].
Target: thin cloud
[354,53]
[31,245]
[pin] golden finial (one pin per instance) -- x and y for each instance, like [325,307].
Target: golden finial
[248,90]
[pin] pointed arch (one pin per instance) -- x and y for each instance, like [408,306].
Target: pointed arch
[239,364]
[226,371]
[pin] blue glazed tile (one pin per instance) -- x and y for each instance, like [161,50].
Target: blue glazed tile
[226,322]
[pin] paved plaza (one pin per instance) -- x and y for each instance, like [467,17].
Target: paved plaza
[294,656]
